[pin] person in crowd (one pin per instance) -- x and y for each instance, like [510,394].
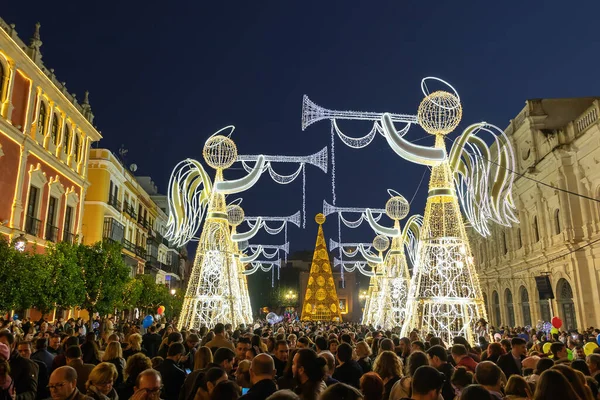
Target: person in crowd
[542,365]
[242,374]
[389,368]
[347,371]
[191,344]
[363,352]
[402,388]
[341,391]
[262,373]
[512,363]
[329,368]
[490,376]
[74,360]
[203,359]
[426,383]
[438,359]
[209,381]
[54,347]
[280,357]
[308,370]
[63,385]
[241,348]
[134,346]
[470,351]
[461,357]
[24,349]
[553,385]
[151,342]
[173,376]
[219,340]
[173,337]
[593,362]
[517,388]
[23,372]
[90,354]
[42,354]
[284,394]
[475,392]
[148,383]
[576,379]
[493,352]
[461,378]
[226,390]
[559,353]
[371,386]
[224,358]
[100,383]
[333,345]
[417,345]
[114,354]
[303,343]
[136,364]
[61,359]
[581,366]
[321,344]
[287,381]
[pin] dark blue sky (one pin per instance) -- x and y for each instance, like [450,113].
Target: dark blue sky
[163,76]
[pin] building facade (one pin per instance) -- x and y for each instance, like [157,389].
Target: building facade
[557,146]
[119,208]
[45,137]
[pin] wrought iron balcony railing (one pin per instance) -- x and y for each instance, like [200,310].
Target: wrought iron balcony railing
[32,225]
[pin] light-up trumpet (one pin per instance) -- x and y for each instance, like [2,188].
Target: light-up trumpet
[311,113]
[318,159]
[294,219]
[330,209]
[334,245]
[350,266]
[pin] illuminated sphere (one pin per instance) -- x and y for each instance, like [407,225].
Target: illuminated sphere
[439,113]
[381,243]
[235,214]
[320,219]
[219,152]
[397,208]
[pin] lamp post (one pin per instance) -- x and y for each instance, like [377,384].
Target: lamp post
[290,296]
[173,292]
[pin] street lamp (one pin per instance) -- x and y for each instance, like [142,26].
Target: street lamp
[20,243]
[290,295]
[173,291]
[363,295]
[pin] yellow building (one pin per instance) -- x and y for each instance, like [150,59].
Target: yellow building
[117,207]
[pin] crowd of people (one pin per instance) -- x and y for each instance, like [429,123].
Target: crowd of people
[290,360]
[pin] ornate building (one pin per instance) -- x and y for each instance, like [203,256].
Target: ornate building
[45,137]
[120,207]
[557,143]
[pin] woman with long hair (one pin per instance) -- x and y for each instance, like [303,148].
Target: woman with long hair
[554,386]
[389,368]
[207,384]
[89,349]
[402,388]
[516,388]
[577,381]
[493,352]
[114,354]
[100,383]
[363,352]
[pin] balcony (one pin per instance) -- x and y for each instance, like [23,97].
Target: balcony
[129,210]
[114,202]
[140,251]
[127,245]
[144,223]
[68,237]
[113,230]
[51,233]
[32,225]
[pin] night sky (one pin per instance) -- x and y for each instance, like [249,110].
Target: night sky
[163,76]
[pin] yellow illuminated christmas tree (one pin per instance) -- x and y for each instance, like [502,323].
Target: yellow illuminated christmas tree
[321,302]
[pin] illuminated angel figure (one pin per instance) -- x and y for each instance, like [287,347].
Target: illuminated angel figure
[213,293]
[387,303]
[445,297]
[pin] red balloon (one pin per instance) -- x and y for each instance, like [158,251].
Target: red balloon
[556,322]
[161,310]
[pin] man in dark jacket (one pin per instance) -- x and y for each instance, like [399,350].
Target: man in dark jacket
[172,376]
[262,372]
[348,371]
[151,341]
[438,359]
[23,372]
[42,354]
[281,354]
[511,363]
[24,349]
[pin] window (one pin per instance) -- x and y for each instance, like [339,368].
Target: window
[42,118]
[496,308]
[536,232]
[67,146]
[525,306]
[68,228]
[2,76]
[519,239]
[51,229]
[54,129]
[32,224]
[77,148]
[557,221]
[504,247]
[510,308]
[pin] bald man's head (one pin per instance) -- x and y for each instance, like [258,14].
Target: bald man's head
[262,368]
[62,383]
[65,373]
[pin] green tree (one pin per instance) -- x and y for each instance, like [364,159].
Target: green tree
[104,275]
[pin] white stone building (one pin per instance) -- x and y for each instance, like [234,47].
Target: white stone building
[556,142]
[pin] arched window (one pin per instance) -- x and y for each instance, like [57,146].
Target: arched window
[525,306]
[519,239]
[54,130]
[565,304]
[510,308]
[544,309]
[42,119]
[536,231]
[504,246]
[496,308]
[67,144]
[2,78]
[557,226]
